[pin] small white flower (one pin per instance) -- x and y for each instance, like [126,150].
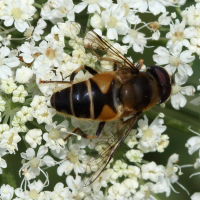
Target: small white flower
[6,192]
[19,13]
[133,172]
[54,137]
[32,168]
[58,9]
[131,185]
[7,63]
[38,102]
[120,168]
[152,171]
[155,6]
[75,157]
[195,196]
[18,124]
[76,185]
[164,19]
[134,155]
[61,192]
[8,85]
[115,21]
[131,140]
[2,104]
[191,15]
[34,137]
[117,191]
[177,98]
[57,36]
[193,144]
[29,51]
[44,115]
[26,114]
[195,44]
[143,193]
[93,6]
[135,39]
[102,180]
[71,29]
[174,59]
[150,135]
[179,35]
[19,94]
[3,127]
[50,54]
[97,21]
[3,164]
[38,30]
[9,140]
[67,68]
[23,74]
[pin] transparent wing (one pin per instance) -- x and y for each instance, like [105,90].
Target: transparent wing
[96,44]
[98,164]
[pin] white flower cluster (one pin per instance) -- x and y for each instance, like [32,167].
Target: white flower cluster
[51,52]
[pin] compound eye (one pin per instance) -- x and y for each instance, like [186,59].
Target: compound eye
[163,78]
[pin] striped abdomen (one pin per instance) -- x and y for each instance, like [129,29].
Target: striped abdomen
[91,99]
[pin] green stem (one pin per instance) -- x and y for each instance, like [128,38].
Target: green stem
[37,125]
[179,11]
[30,87]
[164,29]
[26,144]
[138,164]
[88,22]
[161,42]
[37,5]
[176,120]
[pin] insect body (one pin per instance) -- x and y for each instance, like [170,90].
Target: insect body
[113,95]
[108,96]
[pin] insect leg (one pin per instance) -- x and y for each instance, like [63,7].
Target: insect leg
[81,133]
[60,82]
[89,69]
[139,64]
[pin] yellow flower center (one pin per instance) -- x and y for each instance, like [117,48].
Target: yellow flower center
[133,33]
[176,88]
[50,54]
[54,134]
[178,36]
[34,162]
[127,8]
[16,12]
[113,21]
[174,61]
[147,133]
[33,194]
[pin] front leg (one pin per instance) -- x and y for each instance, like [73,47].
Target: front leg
[84,135]
[89,69]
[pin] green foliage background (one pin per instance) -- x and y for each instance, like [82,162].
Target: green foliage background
[177,122]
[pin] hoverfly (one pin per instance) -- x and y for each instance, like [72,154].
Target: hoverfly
[111,95]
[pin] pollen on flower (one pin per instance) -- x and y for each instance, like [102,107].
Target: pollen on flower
[33,194]
[174,61]
[112,22]
[54,134]
[16,12]
[154,25]
[133,33]
[50,54]
[34,162]
[176,88]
